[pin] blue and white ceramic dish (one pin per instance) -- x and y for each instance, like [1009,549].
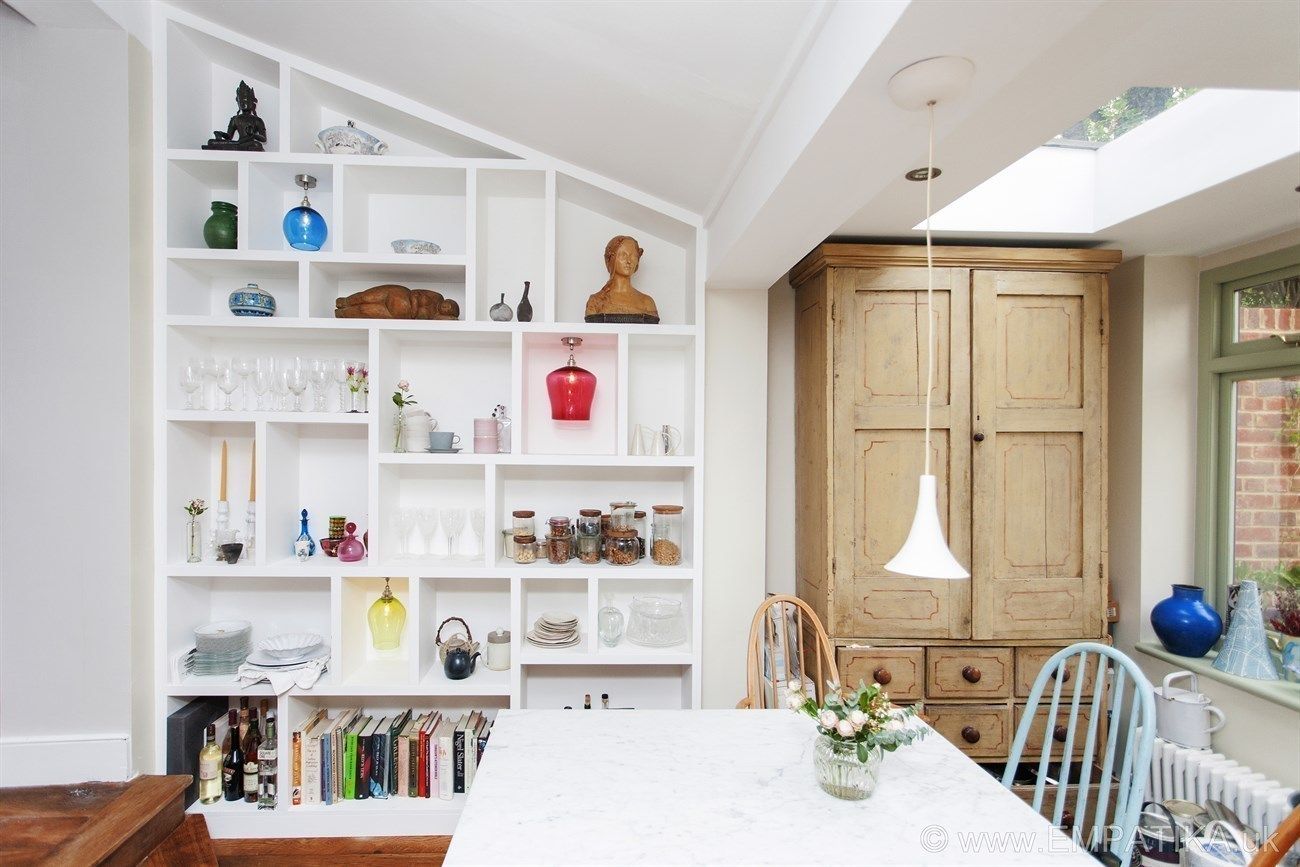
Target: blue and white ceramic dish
[251,301]
[349,140]
[414,245]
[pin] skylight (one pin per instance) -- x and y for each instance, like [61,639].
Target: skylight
[1124,113]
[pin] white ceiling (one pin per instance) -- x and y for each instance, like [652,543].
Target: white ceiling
[659,95]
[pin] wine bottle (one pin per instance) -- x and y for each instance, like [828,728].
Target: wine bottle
[252,741]
[243,717]
[210,768]
[232,734]
[232,771]
[267,767]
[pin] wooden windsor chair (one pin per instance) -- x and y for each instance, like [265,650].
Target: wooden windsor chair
[786,642]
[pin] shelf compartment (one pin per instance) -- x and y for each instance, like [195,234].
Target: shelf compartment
[484,604]
[329,281]
[424,487]
[202,287]
[661,387]
[203,73]
[192,187]
[542,435]
[539,596]
[659,687]
[587,217]
[620,592]
[272,193]
[359,663]
[318,467]
[317,104]
[511,239]
[456,377]
[194,471]
[383,204]
[272,605]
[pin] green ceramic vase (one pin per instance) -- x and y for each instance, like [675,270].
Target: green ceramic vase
[221,228]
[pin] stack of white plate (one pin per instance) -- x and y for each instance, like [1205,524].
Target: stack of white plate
[554,629]
[220,647]
[293,648]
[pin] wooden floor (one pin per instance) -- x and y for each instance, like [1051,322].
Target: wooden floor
[332,851]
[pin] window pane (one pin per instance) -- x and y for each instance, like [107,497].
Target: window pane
[1268,309]
[1266,495]
[1124,113]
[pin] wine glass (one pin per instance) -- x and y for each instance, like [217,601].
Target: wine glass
[341,377]
[476,517]
[228,382]
[428,520]
[318,374]
[403,521]
[209,367]
[296,378]
[244,367]
[191,381]
[453,521]
[262,376]
[279,388]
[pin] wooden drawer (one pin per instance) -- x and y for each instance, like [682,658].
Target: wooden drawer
[900,670]
[1037,731]
[1029,661]
[978,730]
[968,672]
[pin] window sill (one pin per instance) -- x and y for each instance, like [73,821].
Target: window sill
[1277,691]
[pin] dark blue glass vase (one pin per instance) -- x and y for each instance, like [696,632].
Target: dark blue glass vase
[304,227]
[1185,623]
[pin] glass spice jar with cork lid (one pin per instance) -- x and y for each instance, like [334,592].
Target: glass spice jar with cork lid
[588,536]
[523,522]
[621,516]
[666,541]
[559,541]
[622,547]
[525,548]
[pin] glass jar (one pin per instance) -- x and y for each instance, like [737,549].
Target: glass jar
[656,621]
[609,623]
[666,546]
[523,522]
[525,548]
[508,544]
[638,521]
[559,549]
[622,548]
[841,773]
[589,522]
[621,516]
[589,549]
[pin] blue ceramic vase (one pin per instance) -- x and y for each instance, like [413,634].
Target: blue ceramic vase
[1185,623]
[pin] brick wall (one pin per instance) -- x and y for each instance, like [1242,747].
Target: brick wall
[1268,464]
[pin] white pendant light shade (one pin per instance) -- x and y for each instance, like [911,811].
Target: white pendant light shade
[925,554]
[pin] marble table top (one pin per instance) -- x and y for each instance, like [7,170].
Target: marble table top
[728,787]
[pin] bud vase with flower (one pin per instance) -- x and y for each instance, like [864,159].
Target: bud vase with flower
[402,398]
[193,531]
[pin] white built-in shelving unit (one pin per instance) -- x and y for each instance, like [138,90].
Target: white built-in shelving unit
[503,214]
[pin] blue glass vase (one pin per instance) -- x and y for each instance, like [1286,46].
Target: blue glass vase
[1185,623]
[304,227]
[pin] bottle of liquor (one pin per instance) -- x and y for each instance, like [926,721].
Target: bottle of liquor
[232,734]
[232,770]
[267,767]
[586,702]
[243,717]
[210,768]
[252,742]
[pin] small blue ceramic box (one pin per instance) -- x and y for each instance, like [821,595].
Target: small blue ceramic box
[252,301]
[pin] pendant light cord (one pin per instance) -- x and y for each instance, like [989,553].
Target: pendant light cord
[929,290]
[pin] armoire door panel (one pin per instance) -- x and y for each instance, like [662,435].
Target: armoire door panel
[879,419]
[1036,480]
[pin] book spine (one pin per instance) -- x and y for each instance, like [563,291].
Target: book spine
[482,745]
[422,767]
[350,766]
[458,761]
[471,759]
[444,768]
[413,766]
[364,769]
[403,765]
[295,779]
[327,769]
[311,771]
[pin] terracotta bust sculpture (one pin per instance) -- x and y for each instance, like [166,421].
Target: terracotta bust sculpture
[391,301]
[618,300]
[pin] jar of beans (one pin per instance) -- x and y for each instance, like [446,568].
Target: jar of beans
[666,536]
[559,542]
[589,549]
[622,548]
[525,548]
[589,522]
[523,521]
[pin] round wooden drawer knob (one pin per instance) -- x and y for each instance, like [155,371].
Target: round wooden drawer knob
[971,674]
[970,735]
[1059,734]
[1065,678]
[882,675]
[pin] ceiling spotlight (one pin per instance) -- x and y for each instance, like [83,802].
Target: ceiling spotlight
[923,174]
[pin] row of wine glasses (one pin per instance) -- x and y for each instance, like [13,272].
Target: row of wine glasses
[427,521]
[275,384]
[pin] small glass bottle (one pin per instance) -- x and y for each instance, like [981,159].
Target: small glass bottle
[267,767]
[638,521]
[210,767]
[621,516]
[525,548]
[609,623]
[523,522]
[193,541]
[304,546]
[666,546]
[622,548]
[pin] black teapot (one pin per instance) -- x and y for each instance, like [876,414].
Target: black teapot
[459,653]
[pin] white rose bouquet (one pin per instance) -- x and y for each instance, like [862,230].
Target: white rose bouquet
[864,717]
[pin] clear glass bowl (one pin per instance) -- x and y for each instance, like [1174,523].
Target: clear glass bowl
[656,621]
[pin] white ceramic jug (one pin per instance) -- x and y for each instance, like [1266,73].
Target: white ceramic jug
[1183,715]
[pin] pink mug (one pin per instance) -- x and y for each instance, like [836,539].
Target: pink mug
[486,444]
[486,427]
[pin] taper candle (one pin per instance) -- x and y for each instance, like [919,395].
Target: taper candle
[252,475]
[222,496]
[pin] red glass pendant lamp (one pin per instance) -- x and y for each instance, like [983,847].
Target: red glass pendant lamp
[571,388]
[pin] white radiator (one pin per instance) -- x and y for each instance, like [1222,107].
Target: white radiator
[1201,775]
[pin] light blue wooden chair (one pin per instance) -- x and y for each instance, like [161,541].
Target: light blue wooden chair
[1121,688]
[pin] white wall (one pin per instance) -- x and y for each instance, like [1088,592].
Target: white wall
[735,445]
[1154,309]
[780,438]
[65,675]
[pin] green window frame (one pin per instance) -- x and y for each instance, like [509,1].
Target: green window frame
[1223,361]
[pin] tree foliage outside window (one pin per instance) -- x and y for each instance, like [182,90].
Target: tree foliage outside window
[1279,293]
[1126,112]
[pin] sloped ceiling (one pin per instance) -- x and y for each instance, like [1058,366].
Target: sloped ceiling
[658,95]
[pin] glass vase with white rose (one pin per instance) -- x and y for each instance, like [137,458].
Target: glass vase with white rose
[855,730]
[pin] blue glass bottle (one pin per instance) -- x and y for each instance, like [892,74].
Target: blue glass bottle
[304,546]
[304,227]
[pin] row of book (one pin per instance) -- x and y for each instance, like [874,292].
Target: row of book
[354,755]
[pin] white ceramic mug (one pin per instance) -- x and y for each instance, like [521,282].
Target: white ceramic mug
[1183,715]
